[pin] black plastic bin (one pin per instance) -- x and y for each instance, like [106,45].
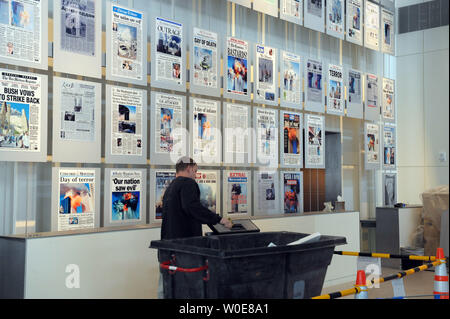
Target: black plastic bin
[242,266]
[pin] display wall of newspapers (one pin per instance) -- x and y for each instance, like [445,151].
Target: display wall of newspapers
[23,116]
[227,131]
[371,145]
[75,198]
[291,71]
[160,179]
[125,125]
[205,128]
[24,33]
[208,182]
[168,136]
[205,63]
[291,137]
[335,90]
[266,137]
[335,18]
[126,44]
[292,192]
[77,30]
[292,11]
[236,75]
[237,190]
[355,18]
[354,82]
[372,26]
[125,197]
[76,121]
[266,192]
[269,7]
[168,65]
[314,14]
[314,141]
[266,75]
[372,101]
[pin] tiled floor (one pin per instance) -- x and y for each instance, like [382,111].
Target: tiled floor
[421,283]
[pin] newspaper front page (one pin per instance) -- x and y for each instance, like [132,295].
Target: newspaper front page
[292,152]
[266,136]
[266,73]
[354,87]
[168,59]
[127,43]
[77,111]
[127,137]
[389,143]
[21,30]
[335,103]
[291,91]
[387,25]
[163,178]
[237,67]
[314,81]
[267,192]
[292,196]
[168,123]
[388,108]
[372,26]
[126,196]
[204,128]
[292,9]
[205,58]
[237,193]
[335,17]
[314,7]
[390,189]
[245,3]
[372,143]
[236,121]
[77,193]
[78,27]
[208,183]
[372,90]
[20,111]
[314,140]
[266,6]
[354,21]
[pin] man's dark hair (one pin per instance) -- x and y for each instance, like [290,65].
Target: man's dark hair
[183,163]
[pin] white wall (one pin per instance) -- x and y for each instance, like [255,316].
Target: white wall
[423,110]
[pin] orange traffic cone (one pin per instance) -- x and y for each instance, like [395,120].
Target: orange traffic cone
[440,277]
[361,283]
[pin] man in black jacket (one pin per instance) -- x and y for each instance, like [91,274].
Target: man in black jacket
[183,214]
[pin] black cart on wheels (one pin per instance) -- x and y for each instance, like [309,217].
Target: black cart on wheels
[239,264]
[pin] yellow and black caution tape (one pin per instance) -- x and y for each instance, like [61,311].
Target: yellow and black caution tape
[338,294]
[406,272]
[357,289]
[381,255]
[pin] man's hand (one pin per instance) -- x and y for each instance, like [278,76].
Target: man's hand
[226,222]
